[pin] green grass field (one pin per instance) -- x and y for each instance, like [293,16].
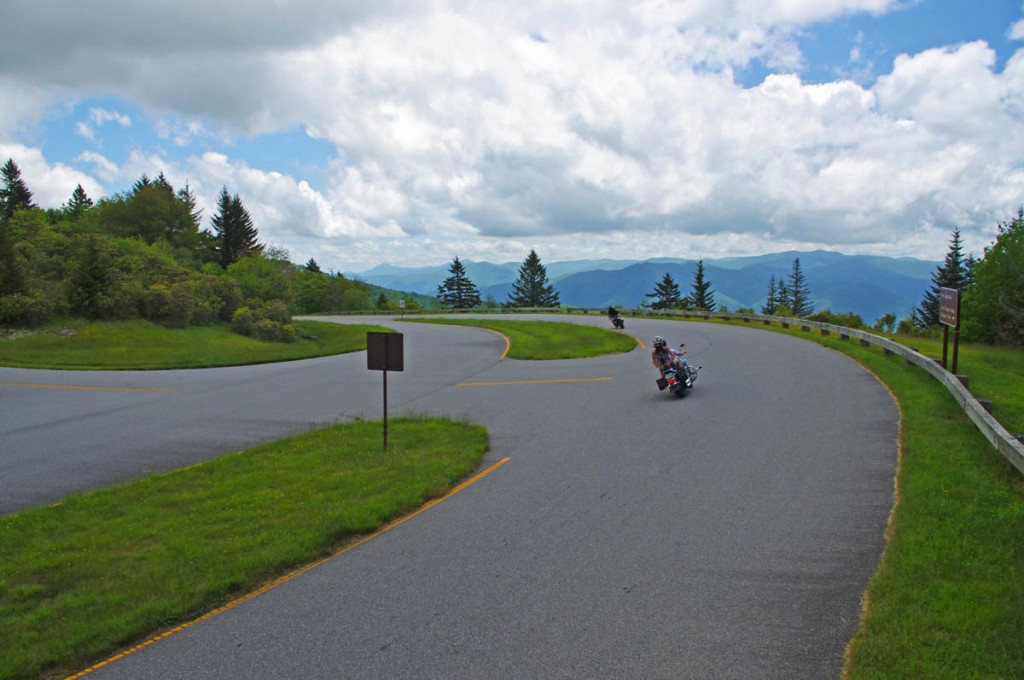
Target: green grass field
[141,345]
[539,340]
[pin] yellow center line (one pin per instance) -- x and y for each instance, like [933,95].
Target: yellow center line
[531,382]
[86,388]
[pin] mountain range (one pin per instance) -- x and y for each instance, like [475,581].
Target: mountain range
[868,285]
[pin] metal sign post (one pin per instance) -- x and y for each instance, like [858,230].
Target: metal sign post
[949,315]
[384,352]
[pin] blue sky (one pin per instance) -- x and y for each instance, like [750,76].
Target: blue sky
[410,133]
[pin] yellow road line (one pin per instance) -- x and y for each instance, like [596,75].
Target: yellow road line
[289,577]
[86,388]
[530,382]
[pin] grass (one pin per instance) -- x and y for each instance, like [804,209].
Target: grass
[142,345]
[948,598]
[543,340]
[995,374]
[99,570]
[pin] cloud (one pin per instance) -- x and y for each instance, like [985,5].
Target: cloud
[101,116]
[51,184]
[577,127]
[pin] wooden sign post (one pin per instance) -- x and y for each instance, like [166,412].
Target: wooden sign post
[384,352]
[949,315]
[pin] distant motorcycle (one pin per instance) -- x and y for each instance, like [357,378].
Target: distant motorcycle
[613,316]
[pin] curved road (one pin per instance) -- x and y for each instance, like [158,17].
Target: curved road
[726,535]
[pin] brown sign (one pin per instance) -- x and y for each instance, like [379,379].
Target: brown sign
[949,307]
[384,352]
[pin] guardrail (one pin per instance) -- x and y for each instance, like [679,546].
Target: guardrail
[1007,444]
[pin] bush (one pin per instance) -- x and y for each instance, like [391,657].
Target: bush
[269,322]
[243,321]
[845,319]
[156,303]
[27,310]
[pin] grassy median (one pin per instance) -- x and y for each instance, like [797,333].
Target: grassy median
[141,345]
[548,339]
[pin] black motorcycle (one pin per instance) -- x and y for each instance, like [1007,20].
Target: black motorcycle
[675,383]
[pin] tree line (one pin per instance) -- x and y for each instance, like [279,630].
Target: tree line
[143,254]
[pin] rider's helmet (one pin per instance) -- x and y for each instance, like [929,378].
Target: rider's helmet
[659,342]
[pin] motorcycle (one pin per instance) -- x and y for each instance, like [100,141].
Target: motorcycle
[677,384]
[613,316]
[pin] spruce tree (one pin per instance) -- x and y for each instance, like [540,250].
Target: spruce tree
[457,291]
[701,296]
[312,266]
[234,233]
[532,289]
[771,303]
[666,294]
[799,292]
[952,273]
[77,204]
[14,194]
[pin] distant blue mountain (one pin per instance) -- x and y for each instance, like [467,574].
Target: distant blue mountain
[868,285]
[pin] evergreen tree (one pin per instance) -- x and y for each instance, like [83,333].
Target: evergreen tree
[14,194]
[312,266]
[771,303]
[188,199]
[666,294]
[701,296]
[233,229]
[77,204]
[457,291]
[532,289]
[799,292]
[952,273]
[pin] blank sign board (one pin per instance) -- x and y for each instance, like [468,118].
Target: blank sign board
[384,352]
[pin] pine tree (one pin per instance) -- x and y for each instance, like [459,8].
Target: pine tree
[799,292]
[771,304]
[532,289]
[457,291]
[952,273]
[233,229]
[666,294]
[312,266]
[77,204]
[188,199]
[14,194]
[701,296]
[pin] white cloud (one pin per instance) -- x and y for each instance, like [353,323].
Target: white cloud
[101,116]
[577,127]
[51,184]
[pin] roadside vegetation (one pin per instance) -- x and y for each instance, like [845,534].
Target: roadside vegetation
[102,570]
[547,339]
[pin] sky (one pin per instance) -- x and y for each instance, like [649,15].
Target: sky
[410,133]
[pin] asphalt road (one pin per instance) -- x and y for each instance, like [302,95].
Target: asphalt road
[630,535]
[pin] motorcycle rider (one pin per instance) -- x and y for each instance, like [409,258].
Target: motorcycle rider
[662,357]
